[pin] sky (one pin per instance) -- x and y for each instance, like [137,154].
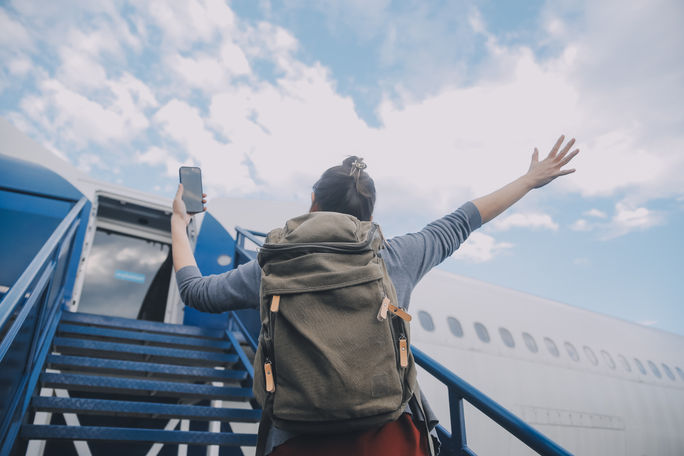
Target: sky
[445,100]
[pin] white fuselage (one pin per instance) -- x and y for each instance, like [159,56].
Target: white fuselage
[601,408]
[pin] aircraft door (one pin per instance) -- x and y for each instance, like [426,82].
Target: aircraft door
[128,267]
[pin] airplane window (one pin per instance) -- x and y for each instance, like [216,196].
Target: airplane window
[572,351]
[625,363]
[482,332]
[530,342]
[608,359]
[640,366]
[507,337]
[654,369]
[680,372]
[590,354]
[426,320]
[455,327]
[668,372]
[551,347]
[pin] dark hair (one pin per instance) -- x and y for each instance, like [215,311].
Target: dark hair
[346,188]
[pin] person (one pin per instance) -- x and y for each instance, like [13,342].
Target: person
[349,189]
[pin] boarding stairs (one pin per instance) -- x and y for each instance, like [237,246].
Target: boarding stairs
[108,385]
[179,375]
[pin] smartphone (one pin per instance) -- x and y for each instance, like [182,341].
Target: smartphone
[191,178]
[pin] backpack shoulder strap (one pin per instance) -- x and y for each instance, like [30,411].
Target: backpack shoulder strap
[265,426]
[416,405]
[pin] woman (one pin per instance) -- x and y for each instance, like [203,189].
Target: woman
[349,189]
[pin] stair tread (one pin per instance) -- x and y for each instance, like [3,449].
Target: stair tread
[143,325]
[70,345]
[33,431]
[151,409]
[121,366]
[126,334]
[128,385]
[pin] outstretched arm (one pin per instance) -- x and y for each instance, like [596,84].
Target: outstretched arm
[539,174]
[180,244]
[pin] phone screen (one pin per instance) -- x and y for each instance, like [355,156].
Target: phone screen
[191,178]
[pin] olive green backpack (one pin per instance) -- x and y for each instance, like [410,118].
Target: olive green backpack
[334,351]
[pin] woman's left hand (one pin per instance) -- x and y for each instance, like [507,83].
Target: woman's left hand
[543,172]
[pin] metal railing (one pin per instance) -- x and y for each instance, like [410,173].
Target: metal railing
[453,443]
[242,254]
[29,313]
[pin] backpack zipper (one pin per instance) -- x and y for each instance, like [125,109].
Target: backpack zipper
[403,351]
[268,373]
[269,365]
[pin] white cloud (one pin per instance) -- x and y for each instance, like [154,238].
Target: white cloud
[528,220]
[186,23]
[274,137]
[14,35]
[224,165]
[20,66]
[81,120]
[581,225]
[595,213]
[208,73]
[86,162]
[626,219]
[78,70]
[629,218]
[581,261]
[291,131]
[153,156]
[158,156]
[480,247]
[233,59]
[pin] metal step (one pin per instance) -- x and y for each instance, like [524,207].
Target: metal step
[111,366]
[156,338]
[89,433]
[116,385]
[143,409]
[71,346]
[142,325]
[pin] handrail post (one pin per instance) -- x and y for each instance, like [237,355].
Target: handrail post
[458,430]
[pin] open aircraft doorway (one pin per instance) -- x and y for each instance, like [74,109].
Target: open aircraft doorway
[127,266]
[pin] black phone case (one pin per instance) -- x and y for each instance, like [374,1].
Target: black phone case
[192,205]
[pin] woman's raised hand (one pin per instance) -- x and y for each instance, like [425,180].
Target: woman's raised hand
[179,209]
[543,172]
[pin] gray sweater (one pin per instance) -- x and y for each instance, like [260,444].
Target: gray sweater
[408,258]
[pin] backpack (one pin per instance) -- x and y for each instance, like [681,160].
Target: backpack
[334,347]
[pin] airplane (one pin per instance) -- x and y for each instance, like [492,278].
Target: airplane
[594,384]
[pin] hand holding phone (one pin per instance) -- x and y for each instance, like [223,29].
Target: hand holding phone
[191,178]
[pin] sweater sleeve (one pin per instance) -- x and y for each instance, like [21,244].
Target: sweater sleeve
[419,252]
[232,290]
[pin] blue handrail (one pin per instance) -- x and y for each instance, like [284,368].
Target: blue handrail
[453,443]
[29,313]
[242,254]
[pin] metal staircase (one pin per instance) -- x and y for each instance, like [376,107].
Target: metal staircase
[176,373]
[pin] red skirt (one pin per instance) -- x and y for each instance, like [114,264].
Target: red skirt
[398,438]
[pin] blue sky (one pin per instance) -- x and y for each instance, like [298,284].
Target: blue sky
[445,100]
